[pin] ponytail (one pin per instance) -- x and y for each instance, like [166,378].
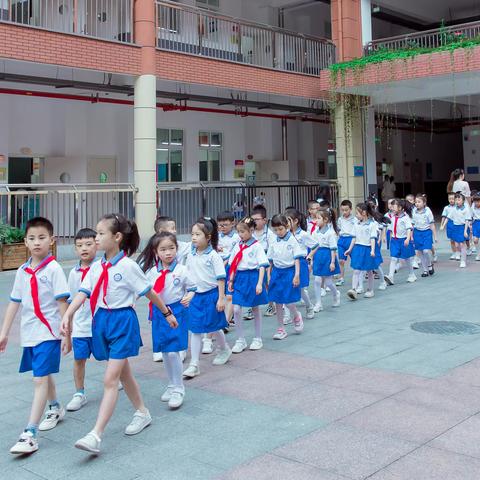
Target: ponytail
[209,227]
[292,212]
[148,258]
[128,229]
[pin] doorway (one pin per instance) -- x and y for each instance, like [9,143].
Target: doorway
[20,169]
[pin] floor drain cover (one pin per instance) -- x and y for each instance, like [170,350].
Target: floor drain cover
[447,328]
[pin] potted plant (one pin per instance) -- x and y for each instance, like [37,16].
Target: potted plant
[13,252]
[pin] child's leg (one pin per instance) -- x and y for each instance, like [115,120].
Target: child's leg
[409,263]
[371,280]
[342,268]
[394,264]
[317,285]
[306,298]
[462,247]
[221,341]
[329,283]
[195,347]
[79,374]
[381,273]
[131,387]
[40,397]
[424,260]
[279,308]
[173,365]
[453,246]
[52,392]
[257,315]
[356,279]
[168,368]
[228,309]
[238,318]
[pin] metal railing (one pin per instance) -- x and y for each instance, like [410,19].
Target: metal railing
[427,39]
[186,202]
[105,19]
[68,207]
[209,34]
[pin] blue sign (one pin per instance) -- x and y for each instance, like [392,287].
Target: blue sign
[358,171]
[472,170]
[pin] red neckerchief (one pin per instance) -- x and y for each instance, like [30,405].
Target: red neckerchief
[103,280]
[314,226]
[238,258]
[159,286]
[395,222]
[84,272]
[34,291]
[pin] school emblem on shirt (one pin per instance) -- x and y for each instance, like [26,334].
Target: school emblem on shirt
[209,263]
[176,282]
[290,247]
[44,279]
[251,254]
[117,277]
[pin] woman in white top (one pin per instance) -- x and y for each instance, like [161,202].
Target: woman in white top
[458,184]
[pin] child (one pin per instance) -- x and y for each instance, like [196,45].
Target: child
[284,255]
[265,237]
[446,222]
[346,227]
[476,221]
[313,207]
[325,261]
[424,233]
[307,244]
[207,309]
[382,222]
[401,245]
[41,288]
[86,250]
[390,214]
[247,283]
[461,216]
[113,285]
[362,249]
[171,282]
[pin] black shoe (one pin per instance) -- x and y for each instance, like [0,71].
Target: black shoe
[431,270]
[425,274]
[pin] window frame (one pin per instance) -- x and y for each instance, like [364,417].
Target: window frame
[169,148]
[211,149]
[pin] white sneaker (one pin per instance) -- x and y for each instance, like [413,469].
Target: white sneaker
[77,402]
[435,258]
[462,265]
[336,300]
[240,346]
[183,355]
[474,249]
[256,344]
[207,345]
[328,290]
[157,357]
[223,356]
[318,307]
[310,313]
[191,371]
[352,294]
[167,393]
[360,290]
[89,443]
[52,416]
[270,311]
[280,334]
[120,386]
[469,252]
[415,263]
[369,294]
[26,443]
[411,278]
[176,399]
[453,256]
[140,421]
[323,292]
[477,258]
[248,315]
[298,323]
[340,282]
[287,319]
[457,256]
[382,286]
[389,280]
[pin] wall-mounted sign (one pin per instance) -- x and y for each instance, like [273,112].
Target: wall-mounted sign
[103,177]
[472,170]
[358,171]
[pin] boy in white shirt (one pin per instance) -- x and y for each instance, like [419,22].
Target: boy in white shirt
[41,288]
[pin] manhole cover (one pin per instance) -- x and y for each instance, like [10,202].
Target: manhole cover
[446,328]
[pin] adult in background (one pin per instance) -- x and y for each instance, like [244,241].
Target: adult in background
[388,190]
[259,200]
[457,183]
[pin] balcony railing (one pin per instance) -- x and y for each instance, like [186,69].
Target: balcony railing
[208,34]
[105,19]
[427,39]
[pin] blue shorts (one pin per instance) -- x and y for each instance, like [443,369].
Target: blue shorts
[82,347]
[115,334]
[449,229]
[399,250]
[343,245]
[423,239]
[389,238]
[227,271]
[321,263]
[43,359]
[378,254]
[281,289]
[203,316]
[164,337]
[476,228]
[244,289]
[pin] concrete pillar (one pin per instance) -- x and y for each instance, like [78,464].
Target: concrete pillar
[370,150]
[347,28]
[366,12]
[145,120]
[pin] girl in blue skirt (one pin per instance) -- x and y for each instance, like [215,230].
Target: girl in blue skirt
[207,308]
[461,217]
[476,222]
[446,222]
[284,253]
[401,245]
[172,283]
[247,283]
[424,233]
[325,259]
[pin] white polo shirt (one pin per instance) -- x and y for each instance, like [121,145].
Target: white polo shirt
[82,320]
[306,241]
[226,244]
[422,219]
[460,215]
[475,212]
[182,252]
[346,225]
[205,268]
[400,226]
[177,282]
[284,251]
[364,232]
[52,286]
[126,282]
[266,238]
[326,237]
[253,257]
[447,210]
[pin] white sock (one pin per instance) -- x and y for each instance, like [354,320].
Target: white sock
[317,285]
[257,318]
[173,365]
[221,341]
[195,347]
[238,317]
[306,298]
[329,283]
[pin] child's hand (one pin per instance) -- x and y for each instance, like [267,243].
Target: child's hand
[66,345]
[347,252]
[372,253]
[65,326]
[230,286]
[172,321]
[442,227]
[259,289]
[332,266]
[185,301]
[296,280]
[3,343]
[406,243]
[221,305]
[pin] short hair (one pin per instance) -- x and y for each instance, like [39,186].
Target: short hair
[160,221]
[39,222]
[346,203]
[261,210]
[226,216]
[84,233]
[312,203]
[280,220]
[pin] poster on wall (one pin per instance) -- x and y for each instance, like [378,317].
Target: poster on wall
[239,169]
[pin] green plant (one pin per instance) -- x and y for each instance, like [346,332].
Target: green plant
[9,234]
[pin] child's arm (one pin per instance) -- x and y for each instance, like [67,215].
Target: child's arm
[261,276]
[372,246]
[159,303]
[221,295]
[296,278]
[77,302]
[312,253]
[434,232]
[409,237]
[350,248]
[444,221]
[10,313]
[67,339]
[333,257]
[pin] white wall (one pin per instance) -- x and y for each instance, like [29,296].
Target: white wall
[471,150]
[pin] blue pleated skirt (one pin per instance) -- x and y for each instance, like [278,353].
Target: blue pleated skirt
[281,289]
[361,258]
[203,316]
[244,286]
[449,229]
[476,228]
[343,245]
[164,337]
[378,254]
[399,250]
[423,239]
[458,233]
[321,263]
[304,273]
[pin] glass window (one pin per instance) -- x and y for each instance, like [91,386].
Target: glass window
[204,139]
[210,4]
[210,156]
[169,155]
